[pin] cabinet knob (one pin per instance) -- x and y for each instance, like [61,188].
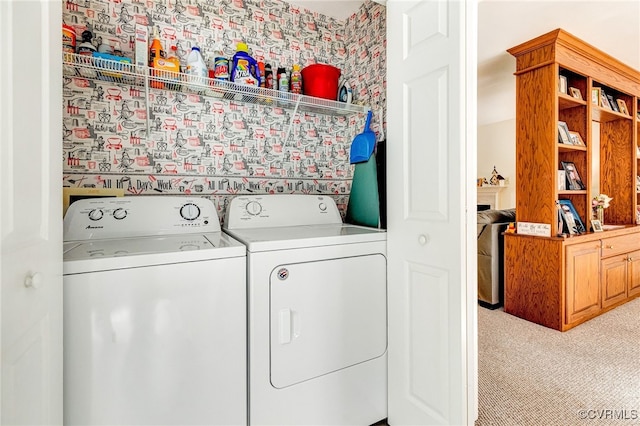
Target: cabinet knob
[629,259]
[423,239]
[33,280]
[609,247]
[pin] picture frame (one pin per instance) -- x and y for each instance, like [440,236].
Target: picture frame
[596,225]
[576,139]
[595,95]
[573,177]
[571,219]
[604,101]
[622,105]
[613,103]
[564,136]
[562,84]
[575,92]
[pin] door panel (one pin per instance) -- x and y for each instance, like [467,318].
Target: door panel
[326,316]
[31,206]
[431,212]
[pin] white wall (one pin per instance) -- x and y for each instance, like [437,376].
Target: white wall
[497,147]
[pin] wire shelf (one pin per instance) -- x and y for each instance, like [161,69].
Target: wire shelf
[126,73]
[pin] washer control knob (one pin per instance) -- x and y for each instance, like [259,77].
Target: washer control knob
[323,207]
[96,214]
[190,211]
[254,208]
[119,214]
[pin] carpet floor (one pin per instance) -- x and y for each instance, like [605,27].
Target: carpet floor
[532,375]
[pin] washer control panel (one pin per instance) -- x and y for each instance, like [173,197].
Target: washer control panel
[121,217]
[281,210]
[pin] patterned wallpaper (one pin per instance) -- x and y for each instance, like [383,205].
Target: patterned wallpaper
[203,145]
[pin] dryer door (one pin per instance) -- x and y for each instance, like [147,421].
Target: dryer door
[325,316]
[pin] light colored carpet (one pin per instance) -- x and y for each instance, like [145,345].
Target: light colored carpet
[532,375]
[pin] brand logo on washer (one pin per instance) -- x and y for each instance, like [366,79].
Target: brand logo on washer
[283,274]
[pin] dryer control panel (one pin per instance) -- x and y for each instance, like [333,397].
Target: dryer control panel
[141,216]
[270,211]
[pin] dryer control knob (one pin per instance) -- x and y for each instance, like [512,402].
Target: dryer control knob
[96,214]
[190,211]
[119,214]
[254,208]
[322,206]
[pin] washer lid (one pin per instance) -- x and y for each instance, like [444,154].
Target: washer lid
[292,237]
[99,255]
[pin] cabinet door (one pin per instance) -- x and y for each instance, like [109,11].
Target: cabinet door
[614,279]
[633,270]
[582,281]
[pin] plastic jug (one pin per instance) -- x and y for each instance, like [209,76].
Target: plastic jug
[244,69]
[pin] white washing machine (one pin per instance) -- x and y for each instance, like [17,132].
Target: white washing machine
[317,312]
[154,314]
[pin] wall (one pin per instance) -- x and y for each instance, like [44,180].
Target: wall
[200,144]
[497,147]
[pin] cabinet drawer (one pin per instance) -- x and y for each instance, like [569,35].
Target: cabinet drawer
[618,245]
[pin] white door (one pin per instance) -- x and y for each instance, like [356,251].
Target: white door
[431,211]
[31,211]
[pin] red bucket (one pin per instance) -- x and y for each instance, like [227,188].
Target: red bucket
[321,81]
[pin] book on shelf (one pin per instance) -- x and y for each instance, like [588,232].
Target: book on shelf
[573,177]
[571,222]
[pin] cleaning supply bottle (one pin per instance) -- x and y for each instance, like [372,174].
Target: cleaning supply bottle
[283,80]
[196,67]
[86,47]
[155,50]
[244,69]
[296,79]
[268,76]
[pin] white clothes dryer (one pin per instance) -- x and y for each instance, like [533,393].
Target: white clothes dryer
[154,314]
[317,312]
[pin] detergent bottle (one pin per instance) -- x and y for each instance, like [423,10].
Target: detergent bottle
[244,69]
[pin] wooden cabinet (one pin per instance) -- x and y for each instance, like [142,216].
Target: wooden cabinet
[563,280]
[582,281]
[615,275]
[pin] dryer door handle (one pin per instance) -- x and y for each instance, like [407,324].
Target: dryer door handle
[285,326]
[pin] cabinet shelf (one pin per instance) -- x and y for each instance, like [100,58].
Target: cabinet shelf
[562,147]
[604,115]
[565,101]
[129,74]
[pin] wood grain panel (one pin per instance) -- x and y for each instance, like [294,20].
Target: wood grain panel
[617,170]
[532,282]
[634,274]
[536,152]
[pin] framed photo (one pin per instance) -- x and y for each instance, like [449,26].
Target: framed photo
[563,133]
[572,222]
[604,101]
[562,180]
[595,95]
[576,139]
[575,92]
[596,225]
[562,84]
[613,103]
[622,105]
[573,178]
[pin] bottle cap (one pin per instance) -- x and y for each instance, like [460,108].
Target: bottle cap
[195,48]
[242,47]
[296,67]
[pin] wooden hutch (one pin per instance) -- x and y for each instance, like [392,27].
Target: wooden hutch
[562,281]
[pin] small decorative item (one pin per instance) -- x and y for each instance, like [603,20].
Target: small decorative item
[496,178]
[598,204]
[576,93]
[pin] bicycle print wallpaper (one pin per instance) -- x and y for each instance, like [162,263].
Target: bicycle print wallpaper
[207,146]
